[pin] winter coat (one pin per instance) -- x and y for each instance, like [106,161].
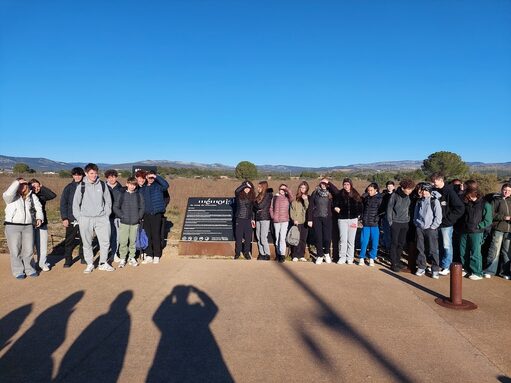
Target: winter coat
[478,216]
[18,211]
[66,201]
[298,211]
[114,193]
[501,209]
[398,208]
[129,207]
[349,207]
[94,202]
[262,209]
[244,206]
[319,206]
[45,195]
[154,200]
[370,213]
[428,212]
[279,210]
[452,205]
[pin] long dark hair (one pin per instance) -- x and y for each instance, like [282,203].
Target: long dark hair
[262,193]
[353,193]
[471,191]
[250,195]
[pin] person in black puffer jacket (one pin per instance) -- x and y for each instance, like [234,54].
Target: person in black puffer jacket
[370,219]
[319,217]
[245,197]
[262,209]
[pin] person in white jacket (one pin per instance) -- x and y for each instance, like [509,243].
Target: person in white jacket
[23,211]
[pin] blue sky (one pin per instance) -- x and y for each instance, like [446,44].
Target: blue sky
[311,83]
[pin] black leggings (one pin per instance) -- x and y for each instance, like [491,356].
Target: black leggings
[398,242]
[244,232]
[323,232]
[152,227]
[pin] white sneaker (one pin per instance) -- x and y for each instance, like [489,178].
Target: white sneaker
[295,259]
[105,267]
[327,258]
[420,272]
[122,263]
[341,262]
[444,272]
[133,262]
[349,261]
[89,269]
[303,259]
[117,259]
[361,262]
[371,262]
[319,260]
[45,268]
[487,275]
[156,260]
[463,273]
[147,260]
[475,277]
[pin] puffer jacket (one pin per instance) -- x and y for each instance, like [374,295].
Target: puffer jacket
[501,209]
[279,210]
[154,199]
[262,208]
[244,206]
[17,211]
[114,194]
[370,215]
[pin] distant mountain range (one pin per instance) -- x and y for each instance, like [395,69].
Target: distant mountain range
[46,165]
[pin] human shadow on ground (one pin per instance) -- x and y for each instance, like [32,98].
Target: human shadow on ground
[412,283]
[504,379]
[97,355]
[11,323]
[187,351]
[30,357]
[337,323]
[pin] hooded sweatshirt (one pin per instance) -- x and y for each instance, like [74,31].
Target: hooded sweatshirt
[95,202]
[398,208]
[428,212]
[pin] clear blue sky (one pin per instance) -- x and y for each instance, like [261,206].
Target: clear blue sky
[317,83]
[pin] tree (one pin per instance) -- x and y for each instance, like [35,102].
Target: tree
[449,164]
[488,183]
[245,170]
[64,174]
[21,168]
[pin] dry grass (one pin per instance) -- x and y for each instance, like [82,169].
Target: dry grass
[180,190]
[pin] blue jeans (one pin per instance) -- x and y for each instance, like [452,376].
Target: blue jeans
[446,245]
[500,242]
[373,233]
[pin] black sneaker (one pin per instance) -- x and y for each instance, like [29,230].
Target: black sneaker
[247,256]
[236,256]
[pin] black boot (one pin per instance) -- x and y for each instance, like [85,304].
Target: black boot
[247,256]
[68,262]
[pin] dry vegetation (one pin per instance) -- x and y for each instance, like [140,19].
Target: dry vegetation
[180,190]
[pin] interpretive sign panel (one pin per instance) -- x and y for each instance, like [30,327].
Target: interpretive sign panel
[208,219]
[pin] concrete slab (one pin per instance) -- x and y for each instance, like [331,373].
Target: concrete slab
[220,320]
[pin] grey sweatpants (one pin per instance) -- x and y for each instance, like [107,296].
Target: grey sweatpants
[20,240]
[100,225]
[262,229]
[41,244]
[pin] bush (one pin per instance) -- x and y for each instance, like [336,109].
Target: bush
[246,170]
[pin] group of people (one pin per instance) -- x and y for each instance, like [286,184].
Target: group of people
[88,206]
[439,220]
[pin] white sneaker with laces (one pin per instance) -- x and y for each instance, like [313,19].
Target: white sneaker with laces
[45,268]
[361,262]
[349,261]
[133,262]
[105,267]
[122,263]
[475,277]
[319,260]
[295,259]
[420,272]
[327,258]
[444,272]
[487,275]
[371,262]
[303,259]
[463,273]
[89,269]
[147,259]
[117,259]
[156,260]
[341,262]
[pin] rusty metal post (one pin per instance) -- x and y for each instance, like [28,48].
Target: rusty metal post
[456,301]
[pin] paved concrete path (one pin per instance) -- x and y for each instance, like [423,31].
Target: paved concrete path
[218,320]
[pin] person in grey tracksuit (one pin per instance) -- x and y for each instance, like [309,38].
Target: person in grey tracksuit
[92,210]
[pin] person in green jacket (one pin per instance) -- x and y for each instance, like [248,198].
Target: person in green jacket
[478,216]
